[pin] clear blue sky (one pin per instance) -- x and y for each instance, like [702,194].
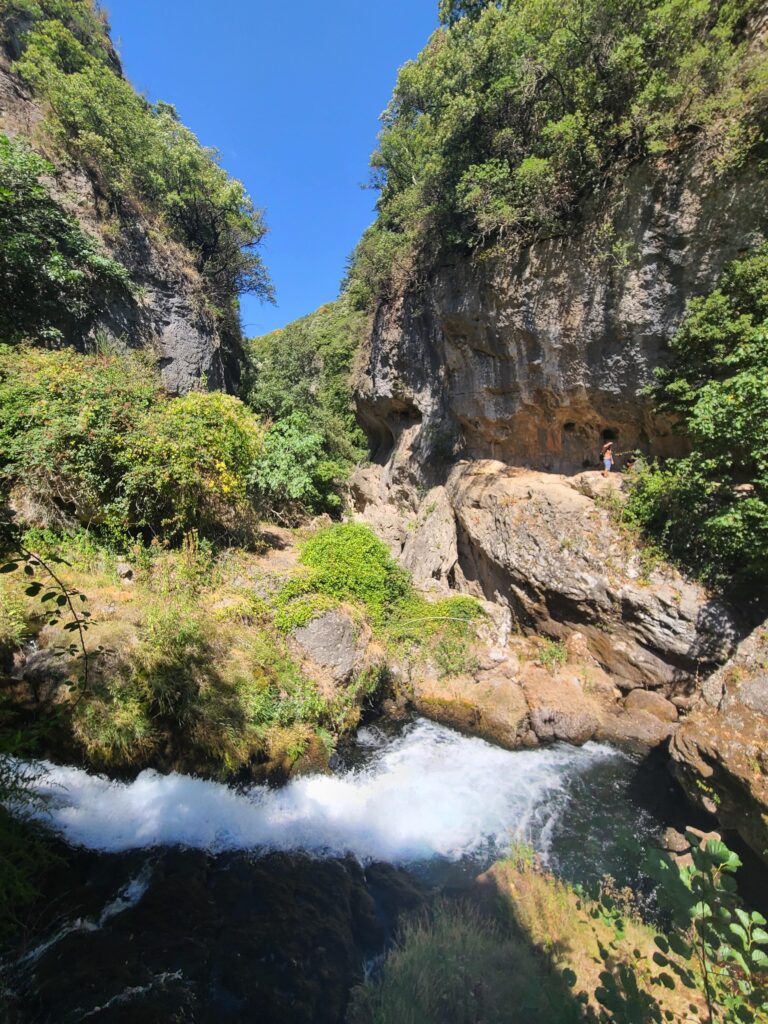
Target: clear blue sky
[290,93]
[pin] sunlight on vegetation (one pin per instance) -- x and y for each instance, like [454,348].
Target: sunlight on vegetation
[509,115]
[709,510]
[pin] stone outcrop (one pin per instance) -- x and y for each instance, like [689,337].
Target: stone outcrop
[539,546]
[720,753]
[535,359]
[487,389]
[167,313]
[332,645]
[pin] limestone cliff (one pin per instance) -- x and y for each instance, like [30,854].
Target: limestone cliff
[487,390]
[534,359]
[168,312]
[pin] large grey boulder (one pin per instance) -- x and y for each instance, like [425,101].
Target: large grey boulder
[333,642]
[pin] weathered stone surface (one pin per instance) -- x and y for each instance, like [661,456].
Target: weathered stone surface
[430,550]
[333,642]
[652,703]
[531,360]
[721,760]
[560,709]
[636,731]
[556,558]
[720,752]
[491,705]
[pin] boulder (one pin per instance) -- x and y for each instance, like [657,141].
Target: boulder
[636,731]
[333,643]
[652,703]
[560,709]
[720,752]
[491,705]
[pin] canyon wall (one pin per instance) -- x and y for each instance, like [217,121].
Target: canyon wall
[167,312]
[536,359]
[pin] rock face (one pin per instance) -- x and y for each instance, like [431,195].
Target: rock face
[720,753]
[534,361]
[539,546]
[333,643]
[168,314]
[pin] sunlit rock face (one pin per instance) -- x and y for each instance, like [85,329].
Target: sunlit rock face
[534,361]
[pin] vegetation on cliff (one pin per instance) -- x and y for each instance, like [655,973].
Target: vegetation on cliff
[140,156]
[514,110]
[300,379]
[53,276]
[710,509]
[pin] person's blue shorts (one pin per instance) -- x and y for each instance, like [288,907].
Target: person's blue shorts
[608,464]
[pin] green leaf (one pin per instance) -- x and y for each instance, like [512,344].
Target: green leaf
[9,567]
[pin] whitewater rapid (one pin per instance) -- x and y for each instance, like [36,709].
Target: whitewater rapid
[429,793]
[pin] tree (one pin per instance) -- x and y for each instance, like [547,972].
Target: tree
[451,10]
[710,509]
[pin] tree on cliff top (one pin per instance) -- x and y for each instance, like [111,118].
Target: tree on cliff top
[514,111]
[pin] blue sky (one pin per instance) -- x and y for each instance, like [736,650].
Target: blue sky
[290,93]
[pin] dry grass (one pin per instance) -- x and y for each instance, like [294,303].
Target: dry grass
[580,935]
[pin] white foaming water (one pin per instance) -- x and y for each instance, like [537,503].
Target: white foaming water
[429,793]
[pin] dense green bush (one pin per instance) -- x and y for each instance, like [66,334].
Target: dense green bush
[710,509]
[516,108]
[137,152]
[294,475]
[95,439]
[349,562]
[53,277]
[300,378]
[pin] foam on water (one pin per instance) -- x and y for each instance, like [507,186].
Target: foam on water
[429,793]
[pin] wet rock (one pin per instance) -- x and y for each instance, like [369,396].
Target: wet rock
[652,703]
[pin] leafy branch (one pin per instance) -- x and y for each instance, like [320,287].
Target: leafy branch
[57,599]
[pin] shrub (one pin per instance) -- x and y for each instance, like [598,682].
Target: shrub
[710,509]
[95,439]
[300,378]
[349,562]
[442,630]
[553,654]
[187,465]
[54,279]
[293,476]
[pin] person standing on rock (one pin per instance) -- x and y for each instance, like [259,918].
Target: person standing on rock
[607,457]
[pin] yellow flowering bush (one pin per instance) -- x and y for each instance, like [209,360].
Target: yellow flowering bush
[96,440]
